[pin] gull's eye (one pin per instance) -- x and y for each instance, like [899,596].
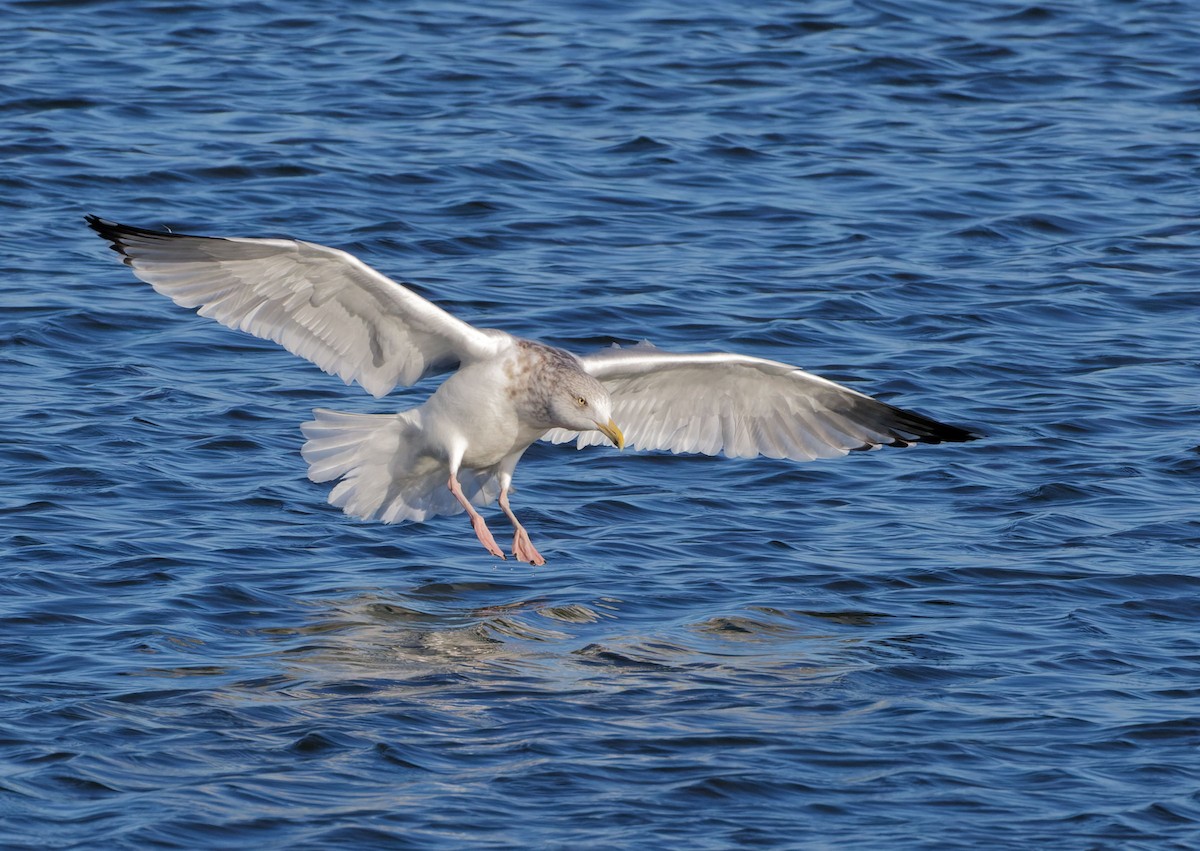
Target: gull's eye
[580,401]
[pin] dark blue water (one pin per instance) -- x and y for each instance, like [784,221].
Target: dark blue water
[986,212]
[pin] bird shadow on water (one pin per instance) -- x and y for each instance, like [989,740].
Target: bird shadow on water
[551,632]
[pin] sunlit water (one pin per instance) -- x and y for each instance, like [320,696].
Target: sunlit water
[985,212]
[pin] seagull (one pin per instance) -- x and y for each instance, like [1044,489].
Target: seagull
[459,449]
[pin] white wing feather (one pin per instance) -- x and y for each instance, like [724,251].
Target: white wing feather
[714,403]
[319,303]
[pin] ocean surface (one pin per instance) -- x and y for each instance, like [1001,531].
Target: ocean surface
[987,212]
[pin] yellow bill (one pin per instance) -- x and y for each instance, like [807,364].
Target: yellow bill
[612,432]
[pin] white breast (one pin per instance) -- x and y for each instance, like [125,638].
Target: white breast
[474,409]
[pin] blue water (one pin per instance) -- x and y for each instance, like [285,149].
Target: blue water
[986,212]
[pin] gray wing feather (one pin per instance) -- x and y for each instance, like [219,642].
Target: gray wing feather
[319,303]
[715,403]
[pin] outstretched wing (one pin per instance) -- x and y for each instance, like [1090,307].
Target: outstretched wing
[319,303]
[743,406]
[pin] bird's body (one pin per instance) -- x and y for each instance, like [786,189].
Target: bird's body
[460,448]
[480,421]
[499,425]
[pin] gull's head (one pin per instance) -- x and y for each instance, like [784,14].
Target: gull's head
[581,403]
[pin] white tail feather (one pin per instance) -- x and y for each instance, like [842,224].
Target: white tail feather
[384,473]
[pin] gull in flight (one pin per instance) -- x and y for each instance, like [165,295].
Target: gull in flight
[459,449]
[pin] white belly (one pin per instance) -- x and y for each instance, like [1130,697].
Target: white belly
[473,414]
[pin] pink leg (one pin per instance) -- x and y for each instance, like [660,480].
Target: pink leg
[522,547]
[481,530]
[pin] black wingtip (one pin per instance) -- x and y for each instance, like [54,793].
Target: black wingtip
[111,232]
[104,227]
[917,428]
[118,235]
[101,226]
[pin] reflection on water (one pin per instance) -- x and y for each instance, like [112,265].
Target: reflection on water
[368,636]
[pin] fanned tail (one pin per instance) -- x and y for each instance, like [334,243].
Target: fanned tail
[383,474]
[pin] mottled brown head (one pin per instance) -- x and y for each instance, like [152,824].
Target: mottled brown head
[554,391]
